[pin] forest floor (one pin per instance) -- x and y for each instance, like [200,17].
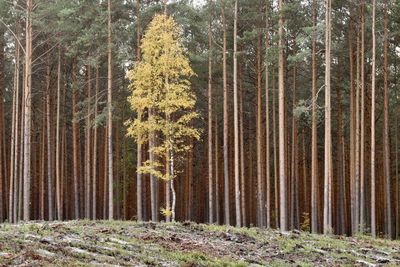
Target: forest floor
[115,243]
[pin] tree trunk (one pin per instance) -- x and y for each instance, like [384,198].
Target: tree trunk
[109,121]
[105,175]
[341,197]
[294,174]
[50,207]
[3,178]
[328,138]
[27,112]
[139,193]
[352,129]
[167,185]
[75,140]
[117,157]
[210,145]
[267,123]
[356,193]
[21,156]
[362,133]
[88,143]
[314,133]
[217,188]
[260,181]
[14,135]
[124,161]
[153,182]
[225,88]
[65,191]
[57,165]
[236,121]
[388,210]
[42,163]
[328,172]
[282,156]
[373,74]
[306,198]
[275,150]
[94,163]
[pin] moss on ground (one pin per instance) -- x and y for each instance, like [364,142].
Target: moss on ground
[106,243]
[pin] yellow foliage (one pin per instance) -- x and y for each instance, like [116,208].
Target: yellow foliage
[167,212]
[162,95]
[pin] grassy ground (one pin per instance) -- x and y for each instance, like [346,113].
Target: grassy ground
[102,243]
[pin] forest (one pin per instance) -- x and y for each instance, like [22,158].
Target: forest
[277,114]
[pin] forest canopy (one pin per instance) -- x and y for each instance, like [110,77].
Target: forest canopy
[274,113]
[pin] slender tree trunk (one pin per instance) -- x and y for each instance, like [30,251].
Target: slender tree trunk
[21,156]
[153,182]
[388,210]
[105,175]
[27,111]
[124,161]
[14,135]
[4,134]
[42,163]
[58,174]
[210,138]
[172,187]
[236,121]
[294,174]
[352,129]
[88,143]
[340,215]
[373,74]
[250,173]
[260,181]
[282,157]
[242,150]
[139,185]
[94,163]
[396,190]
[275,150]
[168,185]
[267,123]
[139,192]
[117,167]
[225,89]
[75,140]
[3,178]
[217,188]
[50,207]
[191,212]
[306,198]
[328,138]
[109,121]
[64,186]
[314,133]
[362,133]
[356,216]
